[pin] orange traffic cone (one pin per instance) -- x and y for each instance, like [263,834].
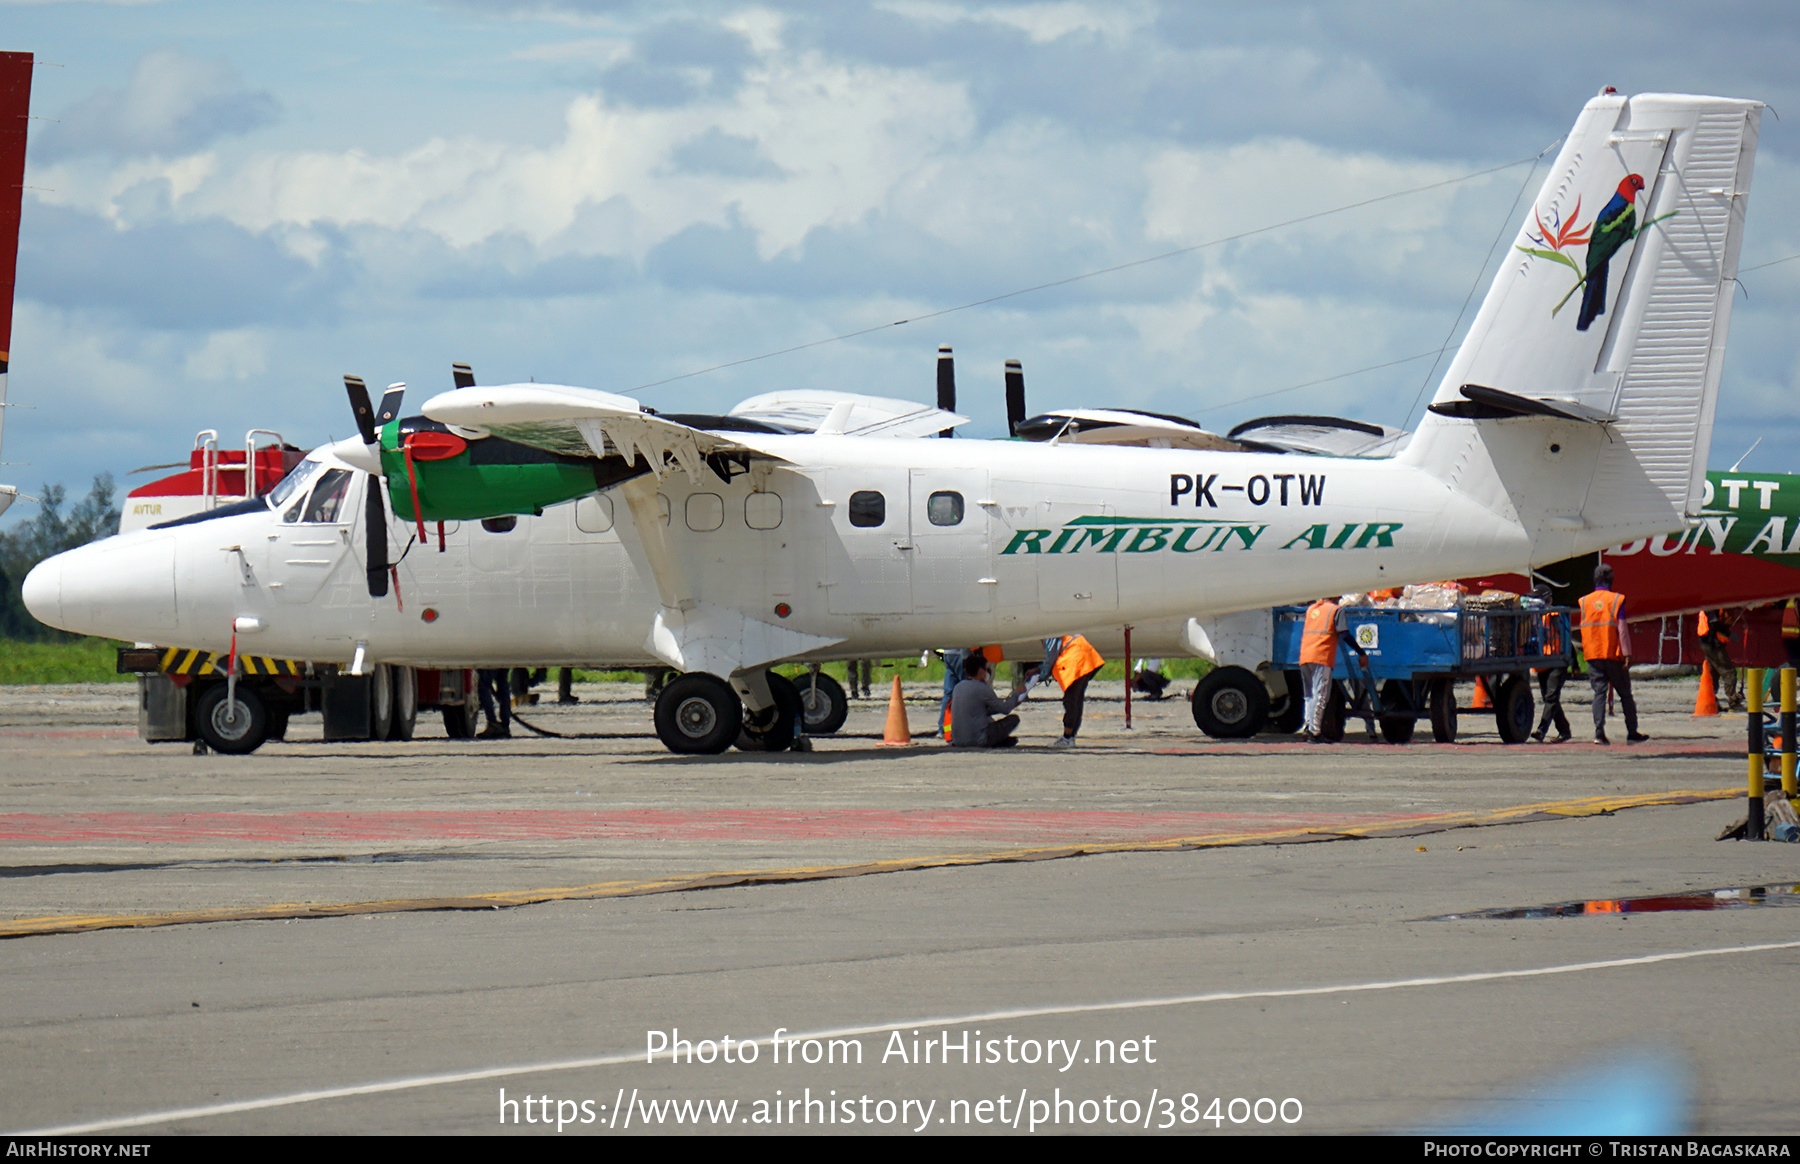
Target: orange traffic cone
[896,732]
[1480,698]
[1707,703]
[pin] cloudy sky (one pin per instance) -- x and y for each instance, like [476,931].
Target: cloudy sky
[235,204]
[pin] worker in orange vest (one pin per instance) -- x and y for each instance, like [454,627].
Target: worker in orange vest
[1318,655]
[1071,660]
[1606,643]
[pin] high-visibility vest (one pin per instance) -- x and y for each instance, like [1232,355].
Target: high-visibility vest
[1600,625]
[1078,658]
[1790,621]
[1700,630]
[1318,636]
[1552,642]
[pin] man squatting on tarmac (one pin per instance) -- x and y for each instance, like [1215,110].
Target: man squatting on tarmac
[973,706]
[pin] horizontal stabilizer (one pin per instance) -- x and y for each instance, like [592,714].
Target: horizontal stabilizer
[1479,403]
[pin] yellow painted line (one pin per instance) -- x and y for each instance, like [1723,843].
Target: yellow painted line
[509,899]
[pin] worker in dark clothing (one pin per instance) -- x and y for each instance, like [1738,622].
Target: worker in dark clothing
[1714,631]
[1550,679]
[492,687]
[973,706]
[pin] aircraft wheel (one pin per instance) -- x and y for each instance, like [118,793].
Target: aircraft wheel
[459,724]
[234,726]
[1287,714]
[698,713]
[278,722]
[406,704]
[1396,729]
[823,702]
[1231,703]
[1443,711]
[774,729]
[381,701]
[1514,709]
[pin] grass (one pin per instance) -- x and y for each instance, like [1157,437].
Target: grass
[80,661]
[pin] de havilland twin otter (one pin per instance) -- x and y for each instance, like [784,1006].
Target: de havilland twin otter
[559,525]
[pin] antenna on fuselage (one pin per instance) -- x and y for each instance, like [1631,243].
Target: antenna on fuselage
[946,384]
[1015,397]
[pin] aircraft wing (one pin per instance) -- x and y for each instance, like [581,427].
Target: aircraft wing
[583,422]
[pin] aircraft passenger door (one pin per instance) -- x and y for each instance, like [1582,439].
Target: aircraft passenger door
[869,558]
[312,536]
[950,557]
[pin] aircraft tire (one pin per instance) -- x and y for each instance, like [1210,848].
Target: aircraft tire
[1231,703]
[1396,729]
[381,701]
[235,727]
[406,704]
[823,701]
[1514,709]
[1443,711]
[278,722]
[775,731]
[1287,714]
[459,724]
[698,714]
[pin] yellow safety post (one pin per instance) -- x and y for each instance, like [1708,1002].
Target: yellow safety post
[1788,720]
[1753,825]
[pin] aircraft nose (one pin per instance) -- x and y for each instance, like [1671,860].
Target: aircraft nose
[122,588]
[42,591]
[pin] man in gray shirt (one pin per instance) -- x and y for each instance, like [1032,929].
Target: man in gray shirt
[973,705]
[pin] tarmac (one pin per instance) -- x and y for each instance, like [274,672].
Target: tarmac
[406,937]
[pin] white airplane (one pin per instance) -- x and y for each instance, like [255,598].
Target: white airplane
[723,546]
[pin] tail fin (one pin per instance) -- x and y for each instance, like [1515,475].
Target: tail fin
[1591,436]
[15,105]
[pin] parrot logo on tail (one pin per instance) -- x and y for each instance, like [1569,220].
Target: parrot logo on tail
[1612,228]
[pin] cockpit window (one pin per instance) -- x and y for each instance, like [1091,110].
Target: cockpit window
[290,484]
[328,497]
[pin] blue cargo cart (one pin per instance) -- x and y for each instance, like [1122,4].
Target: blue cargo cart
[1397,667]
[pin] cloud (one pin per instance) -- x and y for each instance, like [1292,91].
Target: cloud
[175,103]
[183,276]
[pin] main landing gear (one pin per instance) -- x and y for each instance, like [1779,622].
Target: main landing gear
[701,714]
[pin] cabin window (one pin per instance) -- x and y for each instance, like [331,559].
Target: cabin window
[945,508]
[500,525]
[328,498]
[762,510]
[705,512]
[594,514]
[867,508]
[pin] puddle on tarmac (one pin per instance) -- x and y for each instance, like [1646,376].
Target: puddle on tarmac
[1736,898]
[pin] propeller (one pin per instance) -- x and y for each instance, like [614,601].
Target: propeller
[375,518]
[1015,396]
[946,384]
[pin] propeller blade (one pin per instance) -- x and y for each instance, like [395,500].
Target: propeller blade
[375,521]
[463,375]
[359,406]
[390,404]
[1015,396]
[946,383]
